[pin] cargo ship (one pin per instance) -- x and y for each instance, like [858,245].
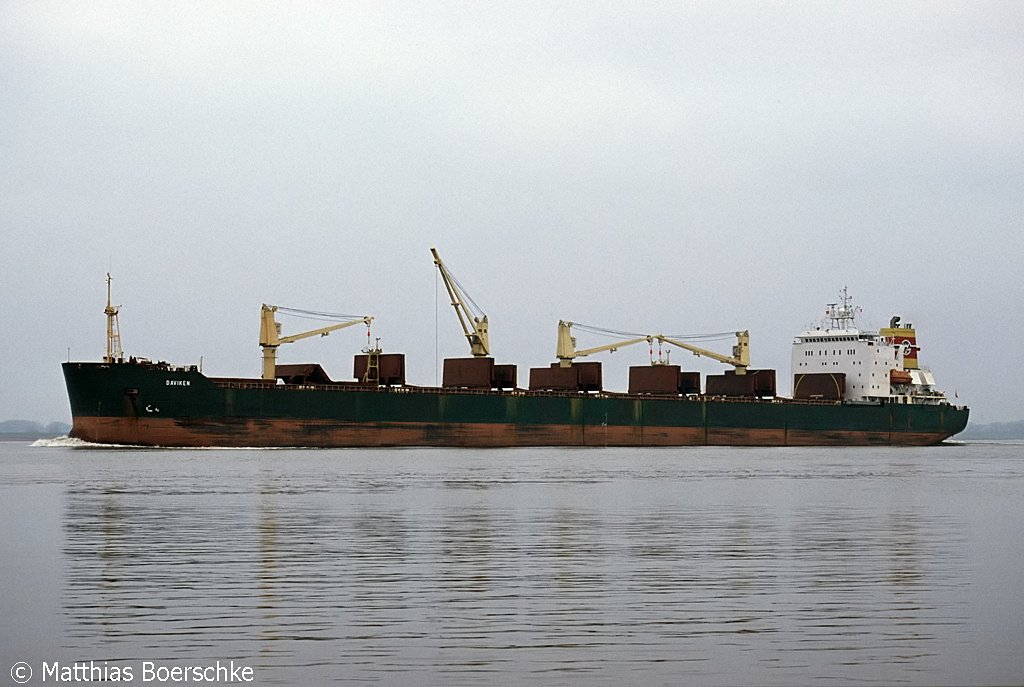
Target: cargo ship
[850,387]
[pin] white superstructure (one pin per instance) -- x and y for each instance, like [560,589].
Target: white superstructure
[862,366]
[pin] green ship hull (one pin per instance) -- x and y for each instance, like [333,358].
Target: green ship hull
[146,404]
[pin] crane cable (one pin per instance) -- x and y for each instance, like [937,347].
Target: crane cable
[317,315]
[617,334]
[476,311]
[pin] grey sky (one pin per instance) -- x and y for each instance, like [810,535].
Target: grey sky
[685,167]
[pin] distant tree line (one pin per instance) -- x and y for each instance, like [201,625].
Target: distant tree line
[28,427]
[995,430]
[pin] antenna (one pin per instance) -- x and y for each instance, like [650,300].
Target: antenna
[843,313]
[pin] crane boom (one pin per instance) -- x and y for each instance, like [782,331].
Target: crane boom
[270,336]
[566,350]
[474,325]
[740,357]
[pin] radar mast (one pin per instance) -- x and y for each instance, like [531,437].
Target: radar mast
[844,313]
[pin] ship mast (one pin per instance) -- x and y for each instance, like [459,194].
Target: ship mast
[842,314]
[114,352]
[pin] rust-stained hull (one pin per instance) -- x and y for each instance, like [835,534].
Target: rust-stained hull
[326,434]
[154,405]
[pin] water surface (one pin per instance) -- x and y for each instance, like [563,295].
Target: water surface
[717,566]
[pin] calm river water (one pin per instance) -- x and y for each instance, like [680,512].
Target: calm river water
[705,566]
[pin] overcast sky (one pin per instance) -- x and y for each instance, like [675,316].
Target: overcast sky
[677,167]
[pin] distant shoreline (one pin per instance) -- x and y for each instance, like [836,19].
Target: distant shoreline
[993,430]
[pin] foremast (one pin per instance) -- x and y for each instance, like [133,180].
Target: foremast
[114,352]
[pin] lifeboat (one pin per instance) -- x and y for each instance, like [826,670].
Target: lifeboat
[900,377]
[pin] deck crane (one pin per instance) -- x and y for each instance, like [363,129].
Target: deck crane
[740,358]
[566,352]
[567,345]
[270,334]
[472,319]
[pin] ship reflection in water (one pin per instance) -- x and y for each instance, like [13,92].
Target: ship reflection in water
[714,566]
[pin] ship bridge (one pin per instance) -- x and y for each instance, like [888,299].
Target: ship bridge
[863,359]
[839,361]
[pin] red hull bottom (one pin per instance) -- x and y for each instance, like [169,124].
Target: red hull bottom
[331,434]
